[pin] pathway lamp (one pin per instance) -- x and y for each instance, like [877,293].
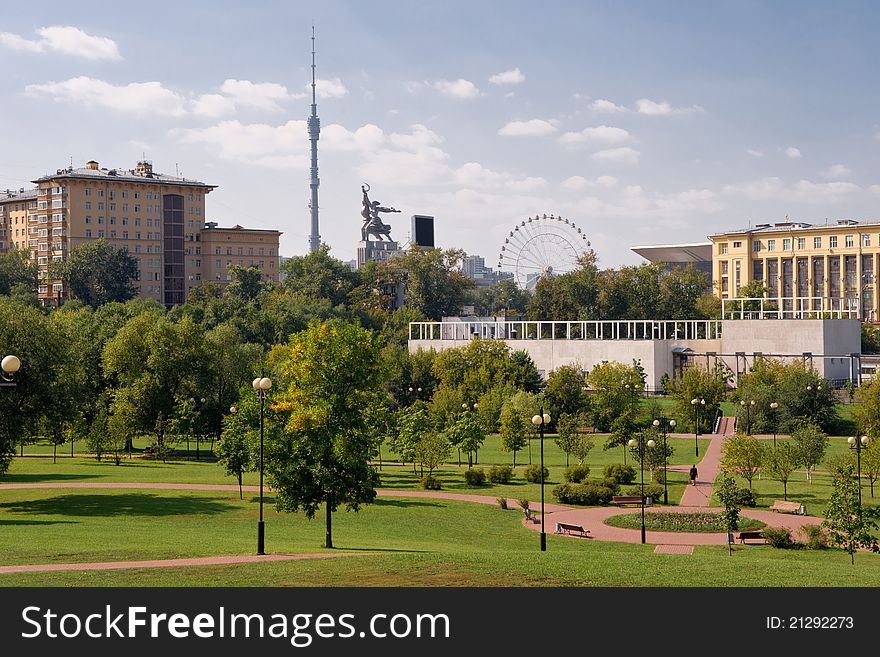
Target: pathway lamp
[748,406]
[541,421]
[699,405]
[658,423]
[858,444]
[639,446]
[196,404]
[8,367]
[261,385]
[773,407]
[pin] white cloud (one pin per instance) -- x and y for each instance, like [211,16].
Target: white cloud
[792,152]
[607,181]
[65,39]
[141,98]
[255,95]
[329,88]
[475,175]
[653,108]
[606,107]
[774,188]
[213,105]
[283,146]
[755,153]
[420,137]
[513,76]
[334,137]
[531,128]
[624,155]
[457,88]
[836,171]
[574,183]
[692,200]
[602,133]
[874,189]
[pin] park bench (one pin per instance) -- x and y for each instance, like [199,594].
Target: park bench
[565,528]
[620,500]
[790,507]
[753,535]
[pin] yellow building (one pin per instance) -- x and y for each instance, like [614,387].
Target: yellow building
[804,267]
[222,247]
[159,219]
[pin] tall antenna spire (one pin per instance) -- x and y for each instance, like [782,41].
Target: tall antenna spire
[314,182]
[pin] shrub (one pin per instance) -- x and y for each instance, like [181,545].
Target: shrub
[608,483]
[430,482]
[576,473]
[474,477]
[816,537]
[659,475]
[502,502]
[524,504]
[622,474]
[652,490]
[583,494]
[746,497]
[500,474]
[533,474]
[779,537]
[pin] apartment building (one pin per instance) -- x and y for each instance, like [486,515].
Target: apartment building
[817,267]
[222,247]
[159,219]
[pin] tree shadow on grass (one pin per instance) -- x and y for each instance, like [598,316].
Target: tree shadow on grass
[122,504]
[15,523]
[403,503]
[37,478]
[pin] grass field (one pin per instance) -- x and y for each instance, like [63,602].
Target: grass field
[404,543]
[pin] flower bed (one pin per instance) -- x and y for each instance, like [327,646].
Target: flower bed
[679,522]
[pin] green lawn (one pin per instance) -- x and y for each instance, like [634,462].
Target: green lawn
[405,542]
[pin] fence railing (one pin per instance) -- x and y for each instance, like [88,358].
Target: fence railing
[703,329]
[791,308]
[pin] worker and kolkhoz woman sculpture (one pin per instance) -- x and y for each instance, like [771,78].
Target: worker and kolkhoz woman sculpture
[373,224]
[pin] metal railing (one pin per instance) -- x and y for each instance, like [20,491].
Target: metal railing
[791,308]
[703,329]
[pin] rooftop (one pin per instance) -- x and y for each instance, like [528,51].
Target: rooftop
[789,226]
[20,195]
[143,172]
[692,252]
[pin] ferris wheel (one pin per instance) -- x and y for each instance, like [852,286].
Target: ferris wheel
[543,245]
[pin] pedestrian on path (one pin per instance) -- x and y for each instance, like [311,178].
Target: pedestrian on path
[694,475]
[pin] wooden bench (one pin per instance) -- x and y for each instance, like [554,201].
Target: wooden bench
[620,500]
[790,507]
[752,535]
[565,528]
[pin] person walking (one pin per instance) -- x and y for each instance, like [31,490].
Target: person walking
[693,475]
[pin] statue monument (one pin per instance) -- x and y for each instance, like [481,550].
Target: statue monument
[373,224]
[378,249]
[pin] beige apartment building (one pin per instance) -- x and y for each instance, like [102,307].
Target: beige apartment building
[159,219]
[809,267]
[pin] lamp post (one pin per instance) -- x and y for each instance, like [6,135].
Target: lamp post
[858,444]
[672,424]
[813,399]
[773,407]
[540,421]
[638,446]
[748,406]
[196,404]
[8,367]
[697,404]
[261,385]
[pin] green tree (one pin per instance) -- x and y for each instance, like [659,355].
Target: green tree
[319,275]
[573,295]
[247,282]
[871,463]
[611,398]
[413,423]
[697,383]
[324,454]
[729,494]
[742,455]
[622,428]
[467,434]
[564,392]
[97,273]
[848,525]
[16,270]
[503,298]
[681,290]
[867,410]
[235,451]
[434,282]
[581,446]
[780,462]
[567,426]
[432,451]
[811,443]
[514,430]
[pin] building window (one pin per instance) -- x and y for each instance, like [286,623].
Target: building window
[272,251]
[125,221]
[228,250]
[137,208]
[113,220]
[125,207]
[250,251]
[786,244]
[88,232]
[849,241]
[88,220]
[100,192]
[113,207]
[722,248]
[801,243]
[136,194]
[866,240]
[771,245]
[737,245]
[216,250]
[124,194]
[100,233]
[261,251]
[817,242]
[240,251]
[832,242]
[756,246]
[88,205]
[88,192]
[125,234]
[724,265]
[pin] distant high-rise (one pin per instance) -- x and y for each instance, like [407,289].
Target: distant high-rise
[314,132]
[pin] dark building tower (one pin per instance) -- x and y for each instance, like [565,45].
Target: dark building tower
[314,182]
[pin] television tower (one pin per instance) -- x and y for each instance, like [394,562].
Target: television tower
[314,182]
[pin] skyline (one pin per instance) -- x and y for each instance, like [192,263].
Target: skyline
[642,124]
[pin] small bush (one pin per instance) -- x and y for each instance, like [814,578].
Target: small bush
[576,473]
[622,474]
[608,483]
[583,494]
[524,504]
[500,474]
[746,497]
[816,537]
[533,474]
[659,476]
[474,477]
[652,490]
[502,502]
[431,483]
[779,537]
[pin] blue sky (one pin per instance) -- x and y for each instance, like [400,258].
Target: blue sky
[643,122]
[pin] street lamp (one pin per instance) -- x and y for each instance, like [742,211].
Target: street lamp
[748,407]
[638,446]
[672,424]
[858,444]
[8,367]
[196,404]
[773,407]
[697,404]
[540,421]
[261,385]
